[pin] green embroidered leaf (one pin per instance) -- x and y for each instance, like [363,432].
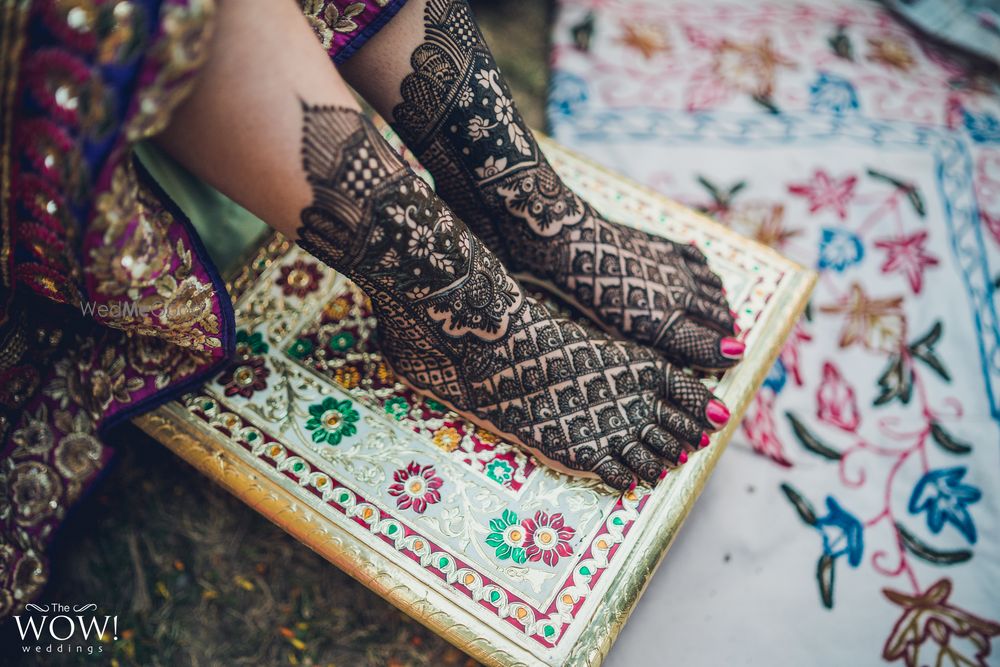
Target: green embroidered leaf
[896,381]
[913,195]
[810,441]
[912,192]
[802,506]
[497,525]
[494,539]
[503,551]
[509,517]
[717,196]
[923,349]
[947,441]
[918,548]
[518,556]
[825,576]
[840,44]
[736,188]
[582,32]
[767,103]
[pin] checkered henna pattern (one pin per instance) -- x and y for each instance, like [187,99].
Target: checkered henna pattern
[456,326]
[458,117]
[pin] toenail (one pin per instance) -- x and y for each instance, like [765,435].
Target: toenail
[731,348]
[683,458]
[704,441]
[717,413]
[737,328]
[631,487]
[663,475]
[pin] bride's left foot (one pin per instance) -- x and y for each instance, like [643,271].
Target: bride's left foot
[458,117]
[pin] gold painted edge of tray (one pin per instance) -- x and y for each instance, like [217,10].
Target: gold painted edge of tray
[190,439]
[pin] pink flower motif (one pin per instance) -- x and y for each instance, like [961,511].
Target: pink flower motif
[758,426]
[790,352]
[547,538]
[835,400]
[825,191]
[907,254]
[416,486]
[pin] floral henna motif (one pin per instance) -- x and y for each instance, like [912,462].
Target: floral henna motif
[455,325]
[458,117]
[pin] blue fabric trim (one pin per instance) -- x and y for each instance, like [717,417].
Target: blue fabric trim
[228,334]
[351,47]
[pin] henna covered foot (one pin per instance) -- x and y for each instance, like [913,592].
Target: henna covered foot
[455,325]
[458,117]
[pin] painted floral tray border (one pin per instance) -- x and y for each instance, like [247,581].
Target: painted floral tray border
[292,297]
[186,431]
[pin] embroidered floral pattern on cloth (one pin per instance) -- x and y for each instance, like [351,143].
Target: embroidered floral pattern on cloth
[864,483]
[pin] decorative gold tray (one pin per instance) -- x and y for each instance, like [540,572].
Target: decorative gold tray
[510,561]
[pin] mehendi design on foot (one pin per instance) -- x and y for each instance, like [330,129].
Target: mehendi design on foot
[457,115]
[455,325]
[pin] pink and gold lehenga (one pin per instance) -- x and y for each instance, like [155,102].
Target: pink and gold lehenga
[109,303]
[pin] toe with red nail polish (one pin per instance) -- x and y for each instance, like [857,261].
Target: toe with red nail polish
[704,441]
[732,348]
[717,413]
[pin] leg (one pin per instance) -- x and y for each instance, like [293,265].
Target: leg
[430,71]
[452,322]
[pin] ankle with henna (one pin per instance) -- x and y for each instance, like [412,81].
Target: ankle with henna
[455,325]
[458,117]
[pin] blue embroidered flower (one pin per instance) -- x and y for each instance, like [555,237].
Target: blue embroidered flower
[567,93]
[843,534]
[982,127]
[945,499]
[776,378]
[839,249]
[832,94]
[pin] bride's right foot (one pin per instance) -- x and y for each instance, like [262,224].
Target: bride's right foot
[455,325]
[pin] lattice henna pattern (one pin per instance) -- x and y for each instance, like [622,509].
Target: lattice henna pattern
[455,325]
[458,117]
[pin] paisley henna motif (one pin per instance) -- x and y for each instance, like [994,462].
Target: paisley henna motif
[455,325]
[457,115]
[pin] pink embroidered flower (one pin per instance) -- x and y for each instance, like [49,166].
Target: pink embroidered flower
[907,255]
[758,426]
[416,487]
[824,191]
[790,352]
[547,538]
[835,400]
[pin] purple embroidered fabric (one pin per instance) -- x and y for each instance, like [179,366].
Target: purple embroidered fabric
[109,305]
